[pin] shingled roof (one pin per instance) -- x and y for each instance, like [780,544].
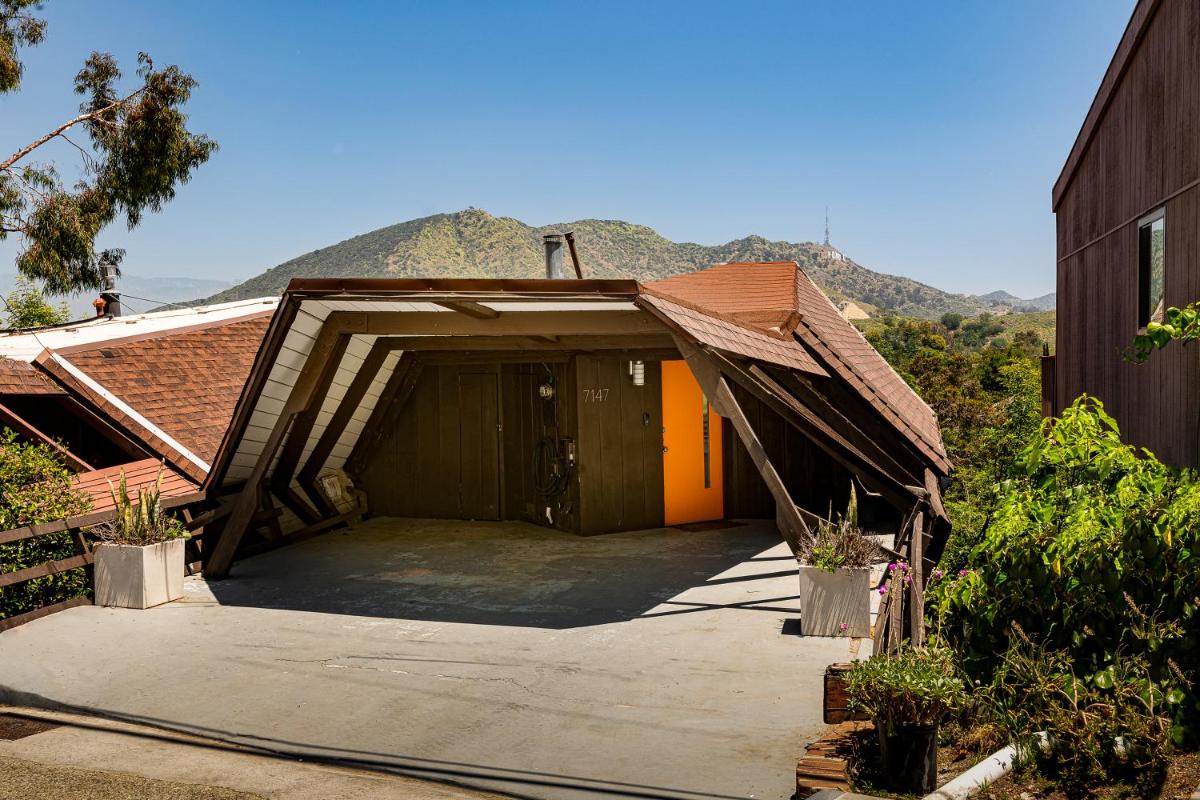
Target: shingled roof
[175,389]
[22,378]
[755,293]
[169,379]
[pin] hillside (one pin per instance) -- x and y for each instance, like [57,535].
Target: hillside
[473,243]
[1044,303]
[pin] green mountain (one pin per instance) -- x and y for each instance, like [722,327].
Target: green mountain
[473,243]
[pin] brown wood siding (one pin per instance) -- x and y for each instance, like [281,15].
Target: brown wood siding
[527,418]
[1145,153]
[813,479]
[620,446]
[442,461]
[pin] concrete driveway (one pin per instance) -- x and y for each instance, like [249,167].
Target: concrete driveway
[498,655]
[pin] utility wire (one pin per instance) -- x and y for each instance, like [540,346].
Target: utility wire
[161,302]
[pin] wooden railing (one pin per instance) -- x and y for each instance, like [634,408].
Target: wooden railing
[79,529]
[902,610]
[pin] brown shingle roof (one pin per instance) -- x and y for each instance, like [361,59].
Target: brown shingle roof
[185,381]
[21,377]
[736,337]
[748,291]
[138,475]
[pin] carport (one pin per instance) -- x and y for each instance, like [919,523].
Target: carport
[502,655]
[581,406]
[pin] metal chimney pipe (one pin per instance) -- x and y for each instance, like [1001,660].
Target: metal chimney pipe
[112,303]
[554,255]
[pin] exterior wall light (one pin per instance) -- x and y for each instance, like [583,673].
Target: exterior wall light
[637,372]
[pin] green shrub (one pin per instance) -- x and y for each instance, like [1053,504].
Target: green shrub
[1090,550]
[915,686]
[1111,727]
[36,487]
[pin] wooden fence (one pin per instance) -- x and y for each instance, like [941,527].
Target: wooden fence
[79,529]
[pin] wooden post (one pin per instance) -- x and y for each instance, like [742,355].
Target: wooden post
[708,375]
[301,430]
[895,629]
[386,412]
[366,375]
[916,566]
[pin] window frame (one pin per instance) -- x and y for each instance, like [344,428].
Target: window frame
[1144,267]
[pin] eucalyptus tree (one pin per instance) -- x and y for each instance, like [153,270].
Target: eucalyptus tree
[132,150]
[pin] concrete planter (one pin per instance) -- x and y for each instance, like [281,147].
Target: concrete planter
[129,576]
[830,599]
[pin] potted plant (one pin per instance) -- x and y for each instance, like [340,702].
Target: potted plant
[139,561]
[835,592]
[908,694]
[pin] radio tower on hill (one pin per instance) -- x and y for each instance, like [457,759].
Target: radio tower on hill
[831,252]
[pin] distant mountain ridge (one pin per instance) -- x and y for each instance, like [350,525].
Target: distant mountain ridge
[1046,302]
[473,243]
[156,292]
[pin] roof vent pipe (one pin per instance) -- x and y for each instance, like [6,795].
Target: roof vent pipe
[554,255]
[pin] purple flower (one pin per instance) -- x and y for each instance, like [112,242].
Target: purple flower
[892,567]
[843,627]
[962,573]
[883,590]
[937,573]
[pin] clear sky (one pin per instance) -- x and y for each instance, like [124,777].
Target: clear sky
[933,131]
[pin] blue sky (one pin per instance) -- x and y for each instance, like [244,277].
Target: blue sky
[933,132]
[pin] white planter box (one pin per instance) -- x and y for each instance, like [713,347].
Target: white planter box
[830,599]
[128,576]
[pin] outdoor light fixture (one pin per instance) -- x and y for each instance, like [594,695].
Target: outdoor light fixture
[637,372]
[546,391]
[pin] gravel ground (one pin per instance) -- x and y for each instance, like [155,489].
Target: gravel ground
[24,780]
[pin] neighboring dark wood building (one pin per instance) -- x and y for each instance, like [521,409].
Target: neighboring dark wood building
[1127,206]
[584,405]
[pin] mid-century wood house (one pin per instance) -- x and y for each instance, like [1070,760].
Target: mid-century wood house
[131,393]
[588,406]
[1127,206]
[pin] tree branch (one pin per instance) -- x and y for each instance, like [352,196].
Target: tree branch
[29,148]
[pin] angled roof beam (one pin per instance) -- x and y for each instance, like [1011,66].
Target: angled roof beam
[471,309]
[387,410]
[341,417]
[707,373]
[779,400]
[297,438]
[807,393]
[219,560]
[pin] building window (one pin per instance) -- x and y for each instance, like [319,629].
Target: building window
[1152,247]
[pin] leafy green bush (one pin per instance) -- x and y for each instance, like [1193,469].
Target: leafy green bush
[36,487]
[1107,728]
[988,403]
[27,307]
[1091,551]
[915,686]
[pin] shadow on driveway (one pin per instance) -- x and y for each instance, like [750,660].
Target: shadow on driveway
[501,573]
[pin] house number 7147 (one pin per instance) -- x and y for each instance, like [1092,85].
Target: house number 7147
[595,395]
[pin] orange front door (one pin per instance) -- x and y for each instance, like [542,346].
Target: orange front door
[691,449]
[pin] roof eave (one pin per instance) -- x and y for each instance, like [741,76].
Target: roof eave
[427,289]
[1139,22]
